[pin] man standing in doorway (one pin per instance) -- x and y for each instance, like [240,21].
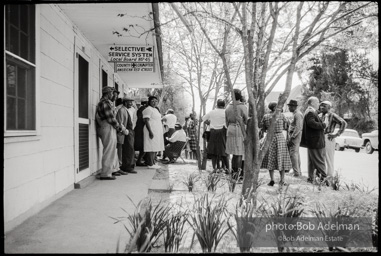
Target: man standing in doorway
[313,139]
[107,128]
[294,136]
[126,142]
[332,119]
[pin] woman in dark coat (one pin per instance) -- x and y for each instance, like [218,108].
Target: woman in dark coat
[139,135]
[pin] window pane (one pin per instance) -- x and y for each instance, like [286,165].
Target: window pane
[24,44]
[24,17]
[13,12]
[21,110]
[104,79]
[21,83]
[30,100]
[11,79]
[83,87]
[14,43]
[11,113]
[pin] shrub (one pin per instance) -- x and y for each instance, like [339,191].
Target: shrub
[212,181]
[146,225]
[174,231]
[208,220]
[191,181]
[245,210]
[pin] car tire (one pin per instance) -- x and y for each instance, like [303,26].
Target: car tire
[368,148]
[357,150]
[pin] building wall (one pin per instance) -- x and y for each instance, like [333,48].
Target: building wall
[39,169]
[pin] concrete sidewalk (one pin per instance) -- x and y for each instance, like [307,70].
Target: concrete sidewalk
[80,221]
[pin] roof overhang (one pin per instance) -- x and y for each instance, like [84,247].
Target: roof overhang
[122,24]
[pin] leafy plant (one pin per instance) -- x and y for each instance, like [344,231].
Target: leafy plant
[375,230]
[212,181]
[191,181]
[336,181]
[327,215]
[361,187]
[174,231]
[170,187]
[147,224]
[286,205]
[232,179]
[209,221]
[245,210]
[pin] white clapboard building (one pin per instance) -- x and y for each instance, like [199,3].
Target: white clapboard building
[57,58]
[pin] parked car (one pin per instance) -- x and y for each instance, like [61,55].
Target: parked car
[370,141]
[348,139]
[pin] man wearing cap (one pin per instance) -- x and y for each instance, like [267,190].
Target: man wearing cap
[176,142]
[331,119]
[139,134]
[126,150]
[107,128]
[294,136]
[313,139]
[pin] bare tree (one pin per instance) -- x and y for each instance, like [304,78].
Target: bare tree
[271,51]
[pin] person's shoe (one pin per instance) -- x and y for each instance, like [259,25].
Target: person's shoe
[282,183]
[310,180]
[271,183]
[131,171]
[107,178]
[155,166]
[141,164]
[116,174]
[296,175]
[122,172]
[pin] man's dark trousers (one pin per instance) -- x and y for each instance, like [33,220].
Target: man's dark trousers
[128,152]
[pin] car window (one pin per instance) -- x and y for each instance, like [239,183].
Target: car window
[350,134]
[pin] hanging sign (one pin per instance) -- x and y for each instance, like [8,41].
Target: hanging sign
[131,53]
[134,67]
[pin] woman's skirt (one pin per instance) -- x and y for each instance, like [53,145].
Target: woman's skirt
[139,137]
[234,140]
[278,156]
[217,142]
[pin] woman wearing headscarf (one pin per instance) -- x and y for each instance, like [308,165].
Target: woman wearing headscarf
[235,136]
[277,157]
[153,132]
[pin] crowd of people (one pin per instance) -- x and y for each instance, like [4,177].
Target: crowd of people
[314,130]
[123,130]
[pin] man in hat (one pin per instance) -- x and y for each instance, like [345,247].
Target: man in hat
[313,139]
[294,136]
[126,150]
[331,119]
[176,143]
[107,129]
[139,134]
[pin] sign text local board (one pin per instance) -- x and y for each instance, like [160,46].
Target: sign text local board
[132,58]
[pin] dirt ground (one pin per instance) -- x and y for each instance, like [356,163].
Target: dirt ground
[178,196]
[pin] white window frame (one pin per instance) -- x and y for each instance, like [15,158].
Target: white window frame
[14,135]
